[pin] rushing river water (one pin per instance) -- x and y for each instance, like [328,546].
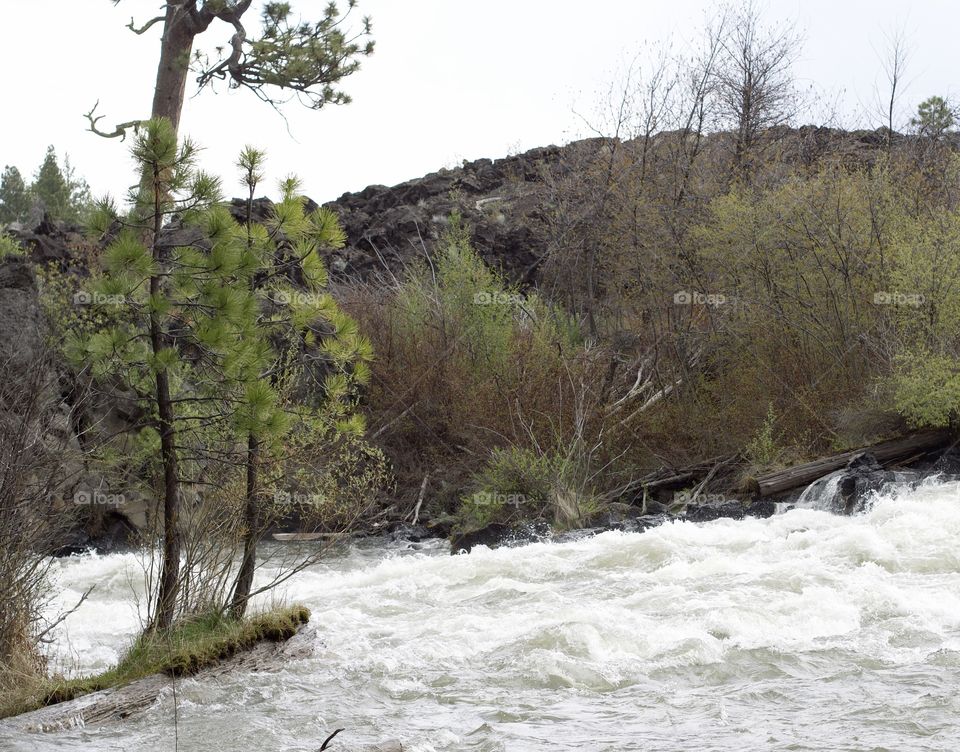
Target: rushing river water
[805,631]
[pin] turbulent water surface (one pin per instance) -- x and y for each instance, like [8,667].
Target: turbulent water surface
[806,631]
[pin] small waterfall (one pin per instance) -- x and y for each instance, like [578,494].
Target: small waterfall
[821,494]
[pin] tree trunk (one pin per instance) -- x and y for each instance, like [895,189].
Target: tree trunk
[176,47]
[170,573]
[170,570]
[241,590]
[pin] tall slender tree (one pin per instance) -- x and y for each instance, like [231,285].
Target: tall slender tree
[284,250]
[175,301]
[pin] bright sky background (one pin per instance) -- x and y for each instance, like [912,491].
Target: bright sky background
[450,80]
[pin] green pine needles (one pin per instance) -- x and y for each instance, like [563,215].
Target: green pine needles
[220,326]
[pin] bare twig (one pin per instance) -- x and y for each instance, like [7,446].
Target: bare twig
[120,131]
[60,619]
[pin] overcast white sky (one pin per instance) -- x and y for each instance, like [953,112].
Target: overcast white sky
[450,80]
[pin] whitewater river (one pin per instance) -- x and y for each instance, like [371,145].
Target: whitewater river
[805,631]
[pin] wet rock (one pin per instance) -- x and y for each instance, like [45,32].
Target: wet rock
[714,509]
[640,524]
[862,476]
[948,463]
[637,524]
[490,536]
[847,491]
[116,533]
[75,542]
[411,533]
[617,513]
[498,534]
[762,508]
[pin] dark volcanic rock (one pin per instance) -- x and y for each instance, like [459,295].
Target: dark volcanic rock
[51,242]
[862,476]
[847,491]
[639,524]
[388,228]
[948,463]
[498,534]
[761,508]
[714,509]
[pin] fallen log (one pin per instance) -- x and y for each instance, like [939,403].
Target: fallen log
[303,537]
[770,484]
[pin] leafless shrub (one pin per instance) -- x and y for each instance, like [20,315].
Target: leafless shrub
[35,475]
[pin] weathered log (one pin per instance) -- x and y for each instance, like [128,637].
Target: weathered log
[885,452]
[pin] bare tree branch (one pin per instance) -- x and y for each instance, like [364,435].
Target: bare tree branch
[120,131]
[146,27]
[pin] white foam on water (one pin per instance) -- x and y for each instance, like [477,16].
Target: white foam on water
[803,631]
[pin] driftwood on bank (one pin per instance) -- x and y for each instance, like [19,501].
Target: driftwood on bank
[886,452]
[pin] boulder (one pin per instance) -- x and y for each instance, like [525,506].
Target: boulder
[762,508]
[847,491]
[714,509]
[499,534]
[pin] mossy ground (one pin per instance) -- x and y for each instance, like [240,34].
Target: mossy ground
[186,649]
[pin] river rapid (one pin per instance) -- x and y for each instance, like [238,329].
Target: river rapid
[804,631]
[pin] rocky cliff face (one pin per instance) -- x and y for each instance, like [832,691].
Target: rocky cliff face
[388,228]
[39,399]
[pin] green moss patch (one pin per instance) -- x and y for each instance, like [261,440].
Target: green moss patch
[187,648]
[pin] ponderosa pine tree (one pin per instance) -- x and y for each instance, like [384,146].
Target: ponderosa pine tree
[57,190]
[50,186]
[934,118]
[209,331]
[174,300]
[289,58]
[290,320]
[14,196]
